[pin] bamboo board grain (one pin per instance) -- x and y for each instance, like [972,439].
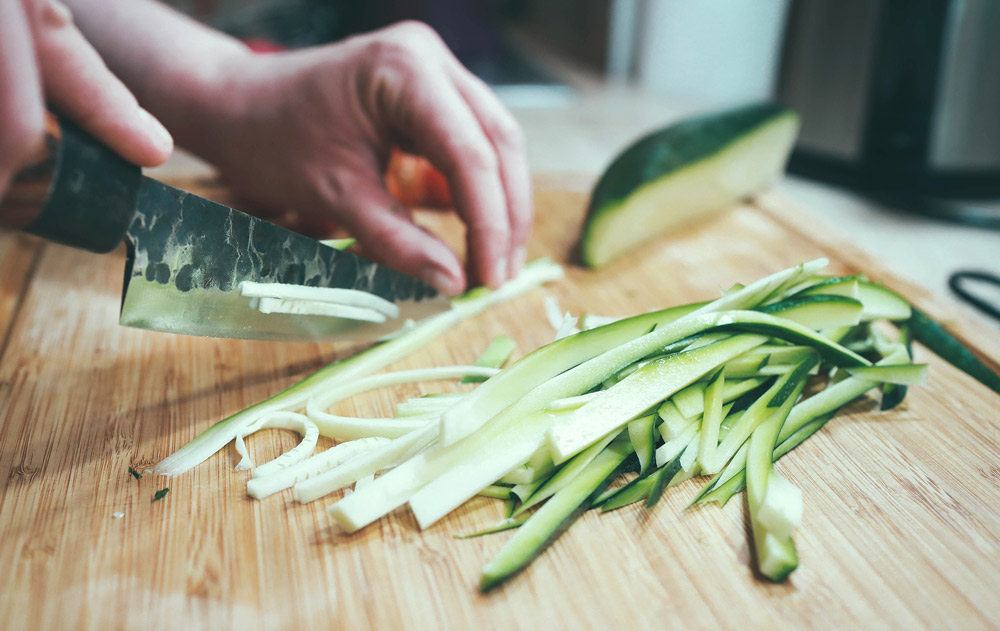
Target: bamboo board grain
[18,255]
[902,509]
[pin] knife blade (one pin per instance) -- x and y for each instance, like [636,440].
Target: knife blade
[186,255]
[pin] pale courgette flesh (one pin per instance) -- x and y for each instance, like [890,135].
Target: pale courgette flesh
[682,173]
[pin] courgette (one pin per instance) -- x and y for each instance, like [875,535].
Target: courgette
[935,337]
[507,524]
[555,516]
[495,356]
[821,311]
[642,433]
[805,418]
[899,374]
[639,391]
[893,394]
[684,172]
[565,475]
[773,545]
[635,491]
[362,364]
[551,432]
[711,422]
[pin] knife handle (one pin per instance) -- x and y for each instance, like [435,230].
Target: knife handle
[74,191]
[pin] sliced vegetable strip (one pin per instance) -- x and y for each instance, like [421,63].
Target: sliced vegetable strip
[706,388]
[566,353]
[495,356]
[261,487]
[640,391]
[364,363]
[554,517]
[349,428]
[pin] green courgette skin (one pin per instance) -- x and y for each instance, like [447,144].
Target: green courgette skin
[555,516]
[893,394]
[935,337]
[666,151]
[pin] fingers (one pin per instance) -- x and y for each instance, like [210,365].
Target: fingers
[387,232]
[21,103]
[505,135]
[466,134]
[78,84]
[444,129]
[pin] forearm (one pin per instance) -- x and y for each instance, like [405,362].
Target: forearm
[176,67]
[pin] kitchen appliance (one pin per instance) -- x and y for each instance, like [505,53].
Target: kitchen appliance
[899,99]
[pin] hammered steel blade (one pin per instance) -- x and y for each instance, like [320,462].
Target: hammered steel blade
[187,256]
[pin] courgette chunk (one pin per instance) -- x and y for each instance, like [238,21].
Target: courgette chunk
[682,173]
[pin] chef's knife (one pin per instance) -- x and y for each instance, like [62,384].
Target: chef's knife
[186,255]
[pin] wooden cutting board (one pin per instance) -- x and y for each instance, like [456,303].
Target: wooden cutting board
[902,508]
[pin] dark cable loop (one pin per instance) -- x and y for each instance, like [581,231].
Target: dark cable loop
[955,283]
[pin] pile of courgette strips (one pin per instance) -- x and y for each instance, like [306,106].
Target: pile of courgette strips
[709,389]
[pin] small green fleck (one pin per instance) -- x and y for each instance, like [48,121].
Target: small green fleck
[160,494]
[135,474]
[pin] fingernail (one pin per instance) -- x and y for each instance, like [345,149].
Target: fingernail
[517,261]
[157,131]
[443,281]
[500,271]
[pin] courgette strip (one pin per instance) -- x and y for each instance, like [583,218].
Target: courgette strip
[554,516]
[494,356]
[617,343]
[947,347]
[361,364]
[564,476]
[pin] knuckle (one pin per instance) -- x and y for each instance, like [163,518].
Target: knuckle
[414,32]
[331,188]
[405,43]
[492,225]
[386,237]
[380,49]
[506,133]
[476,158]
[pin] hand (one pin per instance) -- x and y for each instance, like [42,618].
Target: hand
[312,130]
[46,60]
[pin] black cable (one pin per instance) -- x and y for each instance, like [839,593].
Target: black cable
[955,283]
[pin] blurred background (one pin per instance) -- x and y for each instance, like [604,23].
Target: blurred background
[899,99]
[894,94]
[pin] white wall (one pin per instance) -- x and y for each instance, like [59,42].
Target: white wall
[712,52]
